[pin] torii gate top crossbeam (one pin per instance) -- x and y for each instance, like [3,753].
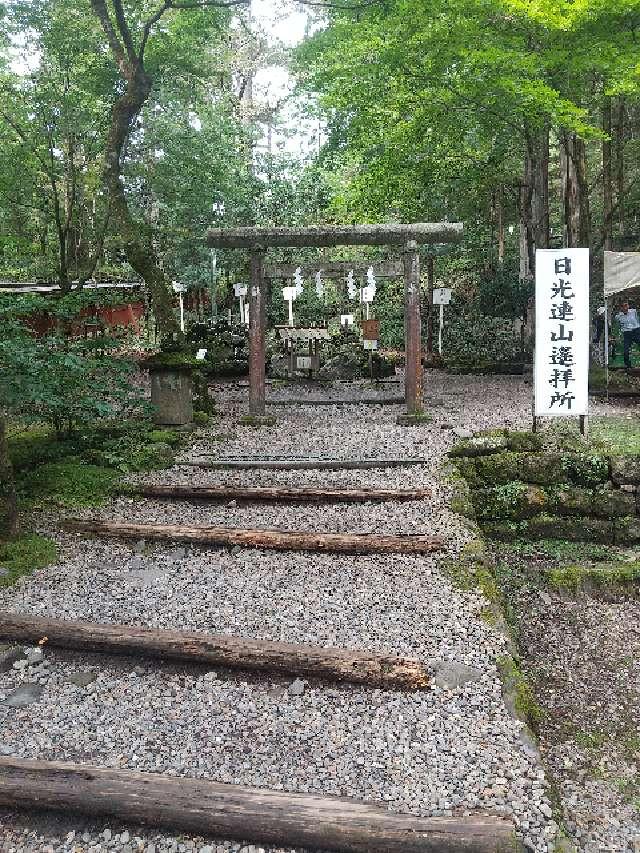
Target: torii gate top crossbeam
[334,235]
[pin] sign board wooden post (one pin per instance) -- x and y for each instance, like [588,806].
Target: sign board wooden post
[240,291]
[441,297]
[180,289]
[370,335]
[370,330]
[413,341]
[257,322]
[561,381]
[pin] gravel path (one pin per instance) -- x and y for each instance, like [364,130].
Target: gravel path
[450,750]
[583,657]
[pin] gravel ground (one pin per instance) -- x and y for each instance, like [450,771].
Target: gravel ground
[584,661]
[449,750]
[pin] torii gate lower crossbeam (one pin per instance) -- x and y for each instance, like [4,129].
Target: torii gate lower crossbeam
[258,240]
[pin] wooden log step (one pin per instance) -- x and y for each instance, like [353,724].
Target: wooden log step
[259,815]
[279,494]
[307,464]
[280,540]
[317,383]
[331,664]
[364,401]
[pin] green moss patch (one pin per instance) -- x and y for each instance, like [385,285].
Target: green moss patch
[68,484]
[257,421]
[583,578]
[520,501]
[496,441]
[24,555]
[83,470]
[575,529]
[558,550]
[519,693]
[179,361]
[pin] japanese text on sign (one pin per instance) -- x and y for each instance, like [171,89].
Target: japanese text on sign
[562,332]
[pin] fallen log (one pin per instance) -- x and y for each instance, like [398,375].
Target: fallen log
[280,540]
[303,464]
[364,401]
[279,494]
[222,811]
[332,664]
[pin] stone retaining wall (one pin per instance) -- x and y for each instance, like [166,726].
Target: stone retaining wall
[518,489]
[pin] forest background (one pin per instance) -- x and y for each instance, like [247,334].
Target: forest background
[128,129]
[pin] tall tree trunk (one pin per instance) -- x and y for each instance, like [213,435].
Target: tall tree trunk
[139,253]
[534,200]
[124,112]
[575,191]
[620,170]
[607,181]
[500,215]
[64,280]
[8,500]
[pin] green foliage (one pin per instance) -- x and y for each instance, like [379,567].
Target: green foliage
[343,357]
[24,555]
[587,469]
[70,483]
[472,342]
[65,383]
[166,436]
[68,306]
[227,347]
[257,421]
[172,361]
[84,470]
[559,550]
[618,435]
[516,684]
[504,501]
[576,577]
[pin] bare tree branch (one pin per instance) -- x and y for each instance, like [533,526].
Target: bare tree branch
[221,4]
[125,32]
[169,4]
[149,24]
[326,4]
[102,13]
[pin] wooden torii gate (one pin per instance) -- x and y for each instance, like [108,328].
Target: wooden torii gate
[258,240]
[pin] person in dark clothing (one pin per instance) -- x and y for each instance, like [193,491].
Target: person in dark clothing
[630,325]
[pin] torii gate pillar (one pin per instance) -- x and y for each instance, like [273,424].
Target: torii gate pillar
[412,330]
[258,240]
[257,330]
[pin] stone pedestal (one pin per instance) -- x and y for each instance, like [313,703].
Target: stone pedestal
[172,396]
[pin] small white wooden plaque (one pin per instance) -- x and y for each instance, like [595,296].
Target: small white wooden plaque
[240,289]
[289,294]
[303,362]
[370,344]
[442,296]
[346,319]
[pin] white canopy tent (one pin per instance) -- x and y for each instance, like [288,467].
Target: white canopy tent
[621,271]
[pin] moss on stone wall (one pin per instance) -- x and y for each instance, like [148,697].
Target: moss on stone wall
[517,501]
[581,578]
[544,526]
[518,489]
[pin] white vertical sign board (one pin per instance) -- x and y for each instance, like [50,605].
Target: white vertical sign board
[562,333]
